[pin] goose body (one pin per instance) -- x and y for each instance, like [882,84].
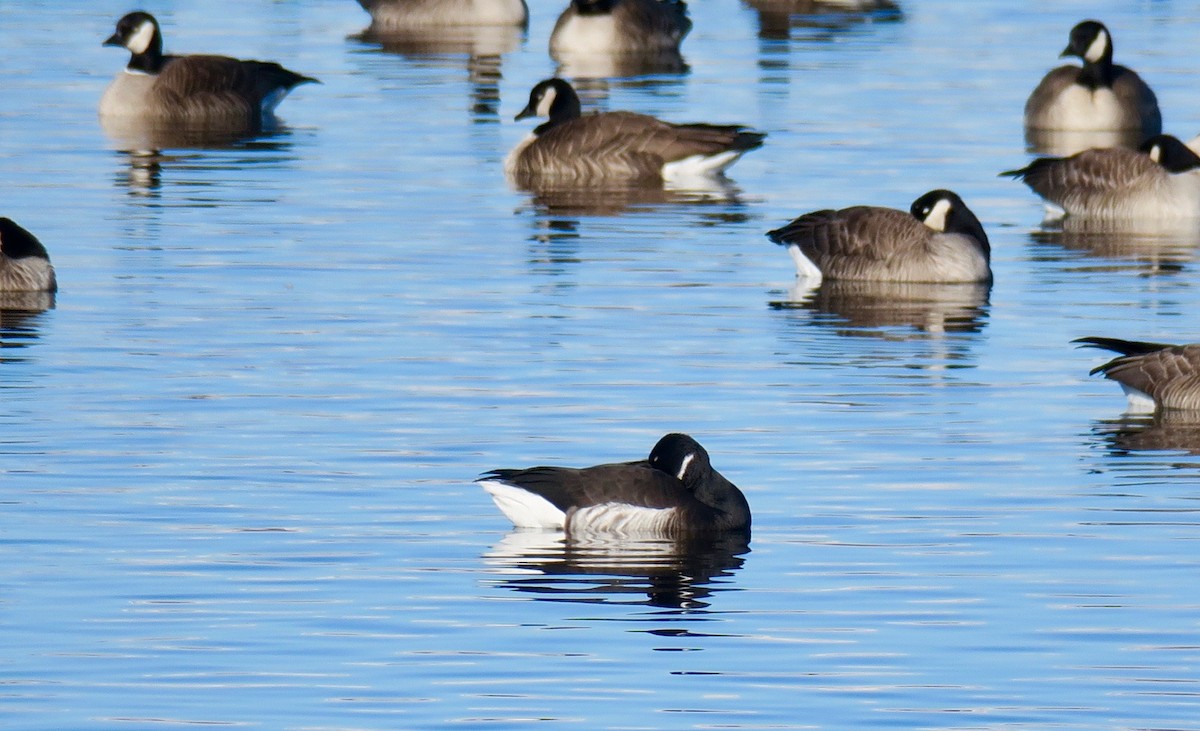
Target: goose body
[1099,96]
[938,240]
[24,264]
[1154,376]
[622,146]
[1160,181]
[403,15]
[674,492]
[619,26]
[193,90]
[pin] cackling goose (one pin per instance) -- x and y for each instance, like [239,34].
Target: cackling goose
[939,240]
[1160,181]
[619,145]
[1154,376]
[1099,96]
[619,26]
[24,264]
[674,492]
[195,90]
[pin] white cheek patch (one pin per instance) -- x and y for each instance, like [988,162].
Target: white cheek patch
[1096,50]
[936,219]
[547,101]
[1156,154]
[683,467]
[139,42]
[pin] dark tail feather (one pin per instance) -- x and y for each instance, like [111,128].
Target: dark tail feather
[1124,347]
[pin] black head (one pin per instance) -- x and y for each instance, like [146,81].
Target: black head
[944,212]
[138,32]
[1090,41]
[1171,153]
[17,243]
[681,457]
[553,98]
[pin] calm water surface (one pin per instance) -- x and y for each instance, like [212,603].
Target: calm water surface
[238,451]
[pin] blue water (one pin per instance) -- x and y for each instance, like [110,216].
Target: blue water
[238,451]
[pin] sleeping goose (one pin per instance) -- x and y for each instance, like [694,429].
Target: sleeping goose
[401,15]
[938,240]
[192,91]
[1154,376]
[674,492]
[619,26]
[1099,96]
[1159,181]
[621,146]
[24,263]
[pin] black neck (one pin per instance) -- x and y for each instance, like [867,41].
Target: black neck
[17,243]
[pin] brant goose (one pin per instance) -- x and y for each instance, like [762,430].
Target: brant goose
[1155,376]
[674,492]
[24,264]
[193,91]
[1160,180]
[1099,96]
[939,241]
[619,145]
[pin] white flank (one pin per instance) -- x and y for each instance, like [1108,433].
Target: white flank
[699,166]
[524,508]
[140,40]
[586,35]
[936,219]
[1096,50]
[1139,402]
[619,519]
[805,269]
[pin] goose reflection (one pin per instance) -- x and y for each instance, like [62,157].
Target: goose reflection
[673,574]
[614,199]
[20,321]
[583,66]
[479,50]
[1166,431]
[777,18]
[881,309]
[1165,249]
[142,168]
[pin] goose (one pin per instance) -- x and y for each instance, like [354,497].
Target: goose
[938,241]
[410,14]
[674,492]
[1154,376]
[24,263]
[194,90]
[619,26]
[619,145]
[1159,181]
[1099,96]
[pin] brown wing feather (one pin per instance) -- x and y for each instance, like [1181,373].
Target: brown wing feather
[1099,172]
[867,233]
[1170,376]
[627,145]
